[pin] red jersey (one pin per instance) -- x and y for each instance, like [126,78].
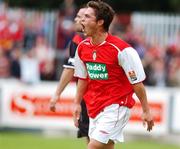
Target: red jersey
[111,67]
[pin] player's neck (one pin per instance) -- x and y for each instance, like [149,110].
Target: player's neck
[99,37]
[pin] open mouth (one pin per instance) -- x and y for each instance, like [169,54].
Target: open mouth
[83,28]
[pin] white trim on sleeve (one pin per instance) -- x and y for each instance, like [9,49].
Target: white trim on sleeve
[79,67]
[131,63]
[68,66]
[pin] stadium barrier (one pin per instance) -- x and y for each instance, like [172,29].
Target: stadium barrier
[157,27]
[27,106]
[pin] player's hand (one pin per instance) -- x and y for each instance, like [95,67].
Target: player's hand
[147,120]
[76,114]
[53,102]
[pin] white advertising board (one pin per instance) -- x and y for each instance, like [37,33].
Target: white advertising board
[158,99]
[176,112]
[27,106]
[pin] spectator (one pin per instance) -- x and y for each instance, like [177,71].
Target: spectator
[173,65]
[4,64]
[29,68]
[15,63]
[65,23]
[45,56]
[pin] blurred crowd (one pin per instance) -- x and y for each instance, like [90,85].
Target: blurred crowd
[28,55]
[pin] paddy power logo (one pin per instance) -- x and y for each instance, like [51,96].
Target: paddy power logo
[97,71]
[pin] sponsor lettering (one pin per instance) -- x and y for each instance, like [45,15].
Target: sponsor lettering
[97,71]
[35,106]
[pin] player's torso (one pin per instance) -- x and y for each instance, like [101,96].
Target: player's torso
[107,80]
[101,61]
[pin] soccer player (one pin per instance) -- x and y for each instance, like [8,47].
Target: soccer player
[110,72]
[67,76]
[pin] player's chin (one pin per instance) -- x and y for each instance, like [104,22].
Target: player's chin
[82,30]
[85,33]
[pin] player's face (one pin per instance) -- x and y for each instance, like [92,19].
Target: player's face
[89,22]
[78,19]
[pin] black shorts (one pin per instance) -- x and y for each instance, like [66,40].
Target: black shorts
[83,122]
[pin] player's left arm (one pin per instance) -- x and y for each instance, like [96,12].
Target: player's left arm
[140,92]
[131,63]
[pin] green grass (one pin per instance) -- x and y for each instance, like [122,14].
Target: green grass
[35,141]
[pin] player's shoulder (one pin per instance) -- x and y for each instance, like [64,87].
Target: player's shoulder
[77,38]
[117,42]
[84,42]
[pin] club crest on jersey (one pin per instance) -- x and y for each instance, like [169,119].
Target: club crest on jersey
[94,55]
[132,75]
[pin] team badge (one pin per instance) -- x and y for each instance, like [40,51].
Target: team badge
[94,55]
[132,75]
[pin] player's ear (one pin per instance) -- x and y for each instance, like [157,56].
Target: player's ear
[100,22]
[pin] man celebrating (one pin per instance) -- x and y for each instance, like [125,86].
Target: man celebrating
[67,76]
[109,72]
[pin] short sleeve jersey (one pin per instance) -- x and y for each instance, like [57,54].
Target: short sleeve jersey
[111,67]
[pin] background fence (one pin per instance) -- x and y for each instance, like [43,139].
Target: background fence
[158,28]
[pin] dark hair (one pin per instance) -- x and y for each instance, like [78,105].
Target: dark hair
[82,6]
[103,11]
